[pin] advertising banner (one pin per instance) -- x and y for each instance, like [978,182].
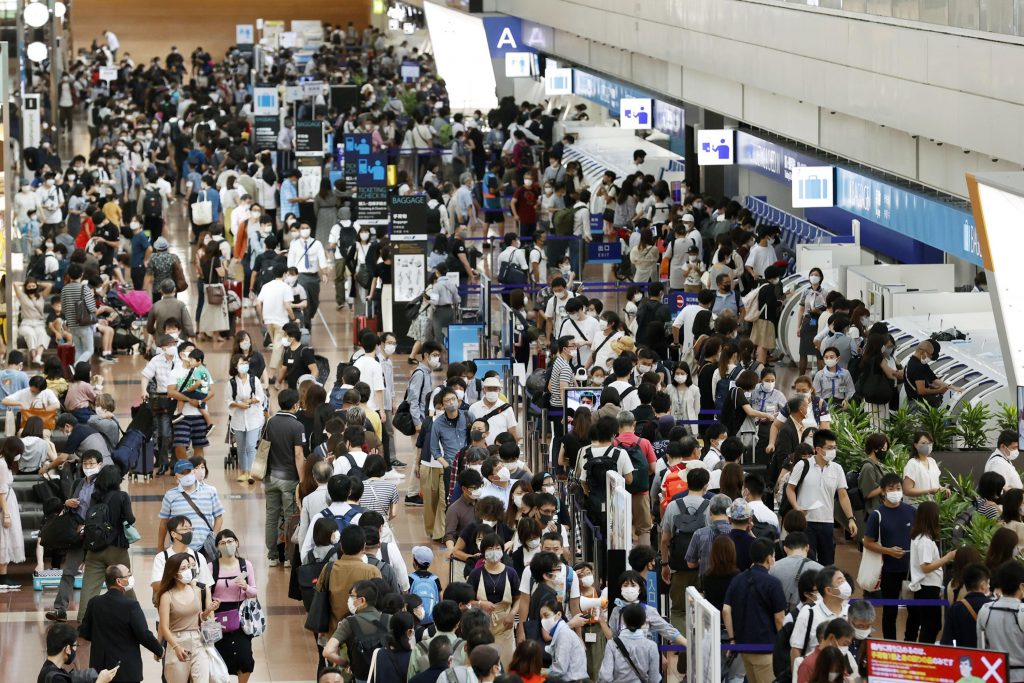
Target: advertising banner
[30,118]
[896,662]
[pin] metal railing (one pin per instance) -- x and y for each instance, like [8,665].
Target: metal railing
[795,230]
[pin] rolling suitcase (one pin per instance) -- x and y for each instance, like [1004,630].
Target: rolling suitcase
[231,459]
[362,322]
[144,468]
[66,355]
[236,287]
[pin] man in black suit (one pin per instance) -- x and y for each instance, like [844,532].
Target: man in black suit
[787,437]
[117,627]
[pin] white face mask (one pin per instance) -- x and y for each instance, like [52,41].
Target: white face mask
[768,386]
[548,623]
[493,555]
[602,324]
[351,605]
[830,455]
[363,236]
[587,581]
[527,182]
[518,499]
[845,590]
[419,613]
[680,379]
[292,280]
[1012,455]
[533,544]
[637,298]
[833,676]
[861,633]
[435,362]
[185,575]
[815,279]
[549,489]
[304,233]
[630,593]
[831,362]
[504,474]
[894,497]
[460,394]
[389,349]
[131,583]
[187,481]
[490,396]
[91,471]
[336,538]
[924,449]
[642,369]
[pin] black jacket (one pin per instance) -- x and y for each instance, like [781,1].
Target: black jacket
[117,627]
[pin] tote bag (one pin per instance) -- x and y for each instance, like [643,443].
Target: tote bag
[869,576]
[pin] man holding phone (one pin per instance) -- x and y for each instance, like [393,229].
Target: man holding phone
[887,533]
[117,628]
[61,649]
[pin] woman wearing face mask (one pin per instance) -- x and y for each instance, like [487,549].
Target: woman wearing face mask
[576,439]
[592,634]
[325,204]
[632,589]
[242,346]
[360,260]
[926,565]
[233,582]
[610,326]
[685,396]
[526,542]
[646,258]
[634,295]
[107,491]
[921,476]
[496,589]
[812,305]
[391,664]
[829,667]
[32,296]
[878,379]
[516,501]
[180,606]
[12,540]
[213,318]
[246,403]
[877,448]
[550,202]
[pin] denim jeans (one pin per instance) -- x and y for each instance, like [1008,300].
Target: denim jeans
[280,506]
[246,442]
[84,340]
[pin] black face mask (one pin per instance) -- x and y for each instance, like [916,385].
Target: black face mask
[185,537]
[882,455]
[476,435]
[546,519]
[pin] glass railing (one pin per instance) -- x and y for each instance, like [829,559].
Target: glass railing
[995,16]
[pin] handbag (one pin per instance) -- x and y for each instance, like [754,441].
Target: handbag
[85,317]
[215,292]
[869,576]
[229,620]
[180,283]
[131,534]
[319,619]
[402,418]
[202,212]
[873,386]
[259,463]
[218,670]
[252,617]
[47,415]
[209,549]
[209,629]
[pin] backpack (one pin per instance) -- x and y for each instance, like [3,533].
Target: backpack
[433,219]
[354,470]
[597,469]
[674,484]
[323,370]
[563,219]
[641,474]
[750,303]
[765,530]
[266,274]
[526,156]
[684,526]
[152,204]
[343,520]
[724,385]
[368,636]
[425,587]
[99,532]
[234,387]
[781,660]
[853,490]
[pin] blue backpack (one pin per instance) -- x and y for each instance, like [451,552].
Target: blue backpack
[342,520]
[425,587]
[724,384]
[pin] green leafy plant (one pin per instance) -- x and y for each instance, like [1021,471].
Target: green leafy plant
[409,101]
[897,460]
[979,532]
[939,423]
[972,426]
[901,425]
[961,486]
[851,426]
[1006,417]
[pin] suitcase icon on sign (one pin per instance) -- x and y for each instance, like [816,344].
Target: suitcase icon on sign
[814,187]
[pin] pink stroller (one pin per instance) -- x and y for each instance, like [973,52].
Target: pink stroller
[137,301]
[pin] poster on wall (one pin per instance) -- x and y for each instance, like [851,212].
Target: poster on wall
[895,662]
[410,276]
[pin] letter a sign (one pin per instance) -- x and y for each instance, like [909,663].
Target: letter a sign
[506,40]
[504,34]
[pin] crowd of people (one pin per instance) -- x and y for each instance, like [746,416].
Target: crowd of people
[732,474]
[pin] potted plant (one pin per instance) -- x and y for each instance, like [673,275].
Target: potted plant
[972,426]
[1006,417]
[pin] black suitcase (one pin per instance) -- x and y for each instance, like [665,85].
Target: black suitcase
[144,468]
[231,459]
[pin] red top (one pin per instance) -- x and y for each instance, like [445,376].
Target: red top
[526,205]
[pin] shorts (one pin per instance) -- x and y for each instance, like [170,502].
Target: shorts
[191,429]
[494,216]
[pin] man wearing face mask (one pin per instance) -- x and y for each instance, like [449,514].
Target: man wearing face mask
[307,254]
[919,380]
[200,504]
[140,253]
[862,617]
[834,590]
[753,610]
[820,479]
[169,307]
[116,626]
[839,634]
[447,437]
[887,532]
[385,352]
[79,502]
[61,651]
[1002,459]
[497,480]
[499,416]
[461,512]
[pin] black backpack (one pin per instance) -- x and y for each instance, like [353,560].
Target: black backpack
[368,636]
[597,469]
[781,661]
[323,370]
[433,219]
[152,204]
[234,386]
[641,475]
[354,470]
[99,532]
[684,526]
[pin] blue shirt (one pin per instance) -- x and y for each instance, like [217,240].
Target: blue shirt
[194,158]
[755,597]
[895,532]
[10,382]
[289,191]
[213,197]
[205,498]
[728,301]
[140,243]
[448,437]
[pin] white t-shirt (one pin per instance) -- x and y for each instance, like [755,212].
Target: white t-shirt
[818,494]
[819,614]
[496,424]
[160,560]
[630,401]
[371,373]
[623,465]
[555,311]
[764,514]
[527,584]
[998,463]
[684,321]
[492,490]
[538,256]
[274,295]
[342,465]
[923,550]
[760,258]
[926,475]
[45,399]
[586,330]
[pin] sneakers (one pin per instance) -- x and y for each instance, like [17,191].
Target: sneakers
[272,562]
[57,614]
[287,564]
[395,462]
[414,500]
[107,358]
[9,584]
[243,477]
[177,418]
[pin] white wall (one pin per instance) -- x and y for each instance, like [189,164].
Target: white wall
[787,69]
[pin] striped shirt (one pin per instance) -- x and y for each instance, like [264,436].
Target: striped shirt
[162,371]
[379,495]
[561,373]
[72,297]
[205,498]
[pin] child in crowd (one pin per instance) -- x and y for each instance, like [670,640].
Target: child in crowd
[196,386]
[423,583]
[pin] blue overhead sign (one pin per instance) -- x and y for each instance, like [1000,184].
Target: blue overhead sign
[768,158]
[669,119]
[926,220]
[603,91]
[505,34]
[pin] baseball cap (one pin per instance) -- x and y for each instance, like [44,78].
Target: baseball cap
[182,466]
[739,510]
[687,218]
[422,555]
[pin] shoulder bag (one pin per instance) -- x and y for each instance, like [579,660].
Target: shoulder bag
[629,660]
[319,619]
[259,463]
[869,576]
[85,316]
[180,283]
[214,292]
[202,210]
[209,549]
